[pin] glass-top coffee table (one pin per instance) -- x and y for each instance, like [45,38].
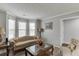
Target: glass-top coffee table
[37,50]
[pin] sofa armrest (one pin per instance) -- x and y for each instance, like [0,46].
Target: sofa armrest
[12,44]
[65,51]
[39,41]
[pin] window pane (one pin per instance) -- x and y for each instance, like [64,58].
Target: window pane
[32,25]
[22,28]
[22,33]
[11,34]
[22,25]
[11,24]
[32,28]
[32,33]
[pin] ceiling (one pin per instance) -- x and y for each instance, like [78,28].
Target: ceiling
[38,10]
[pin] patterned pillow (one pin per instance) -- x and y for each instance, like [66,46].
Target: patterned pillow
[74,41]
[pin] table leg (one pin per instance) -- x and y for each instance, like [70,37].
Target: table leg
[25,53]
[7,51]
[52,50]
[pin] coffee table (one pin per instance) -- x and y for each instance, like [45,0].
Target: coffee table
[33,50]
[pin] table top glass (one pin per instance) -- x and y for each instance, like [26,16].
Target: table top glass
[33,49]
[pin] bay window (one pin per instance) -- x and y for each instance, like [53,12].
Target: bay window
[18,28]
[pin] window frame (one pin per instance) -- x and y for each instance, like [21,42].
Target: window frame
[32,29]
[11,29]
[21,29]
[17,27]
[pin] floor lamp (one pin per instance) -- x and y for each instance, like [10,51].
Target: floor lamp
[40,30]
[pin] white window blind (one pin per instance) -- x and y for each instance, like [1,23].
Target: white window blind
[22,28]
[11,28]
[32,28]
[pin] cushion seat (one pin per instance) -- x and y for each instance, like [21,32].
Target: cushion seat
[24,42]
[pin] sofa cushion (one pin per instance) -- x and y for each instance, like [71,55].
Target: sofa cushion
[24,42]
[65,51]
[24,38]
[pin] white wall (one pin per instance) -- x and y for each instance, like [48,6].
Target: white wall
[3,19]
[52,36]
[71,29]
[56,36]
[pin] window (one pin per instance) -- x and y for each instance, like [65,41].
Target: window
[22,28]
[31,28]
[11,29]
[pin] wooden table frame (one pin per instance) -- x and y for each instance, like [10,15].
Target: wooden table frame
[4,46]
[32,54]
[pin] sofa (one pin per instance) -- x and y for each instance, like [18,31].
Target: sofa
[23,42]
[70,49]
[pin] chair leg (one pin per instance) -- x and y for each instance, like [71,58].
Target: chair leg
[13,52]
[7,51]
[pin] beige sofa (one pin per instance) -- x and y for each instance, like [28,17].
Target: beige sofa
[23,42]
[70,49]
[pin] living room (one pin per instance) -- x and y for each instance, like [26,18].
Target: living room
[28,25]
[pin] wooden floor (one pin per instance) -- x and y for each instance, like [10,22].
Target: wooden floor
[20,52]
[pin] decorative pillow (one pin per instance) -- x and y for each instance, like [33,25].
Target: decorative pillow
[73,44]
[74,41]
